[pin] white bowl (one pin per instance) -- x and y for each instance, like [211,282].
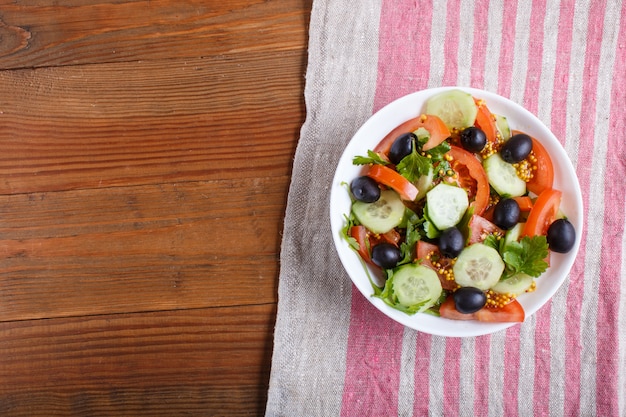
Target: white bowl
[410,106]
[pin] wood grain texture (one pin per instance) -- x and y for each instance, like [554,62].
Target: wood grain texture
[143,248]
[145,123]
[160,363]
[145,159]
[75,32]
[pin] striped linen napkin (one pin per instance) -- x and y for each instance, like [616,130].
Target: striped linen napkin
[334,353]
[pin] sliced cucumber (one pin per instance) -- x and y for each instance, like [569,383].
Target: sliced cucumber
[456,108]
[478,266]
[425,183]
[415,284]
[446,205]
[517,284]
[503,126]
[422,134]
[503,177]
[513,234]
[382,215]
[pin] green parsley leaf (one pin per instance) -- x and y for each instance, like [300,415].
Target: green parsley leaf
[419,163]
[413,235]
[345,231]
[492,241]
[371,158]
[526,256]
[437,153]
[430,230]
[413,166]
[442,168]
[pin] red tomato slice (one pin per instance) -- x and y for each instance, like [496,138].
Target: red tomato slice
[423,250]
[543,177]
[359,233]
[485,121]
[448,310]
[433,124]
[391,178]
[543,213]
[513,312]
[367,240]
[476,172]
[524,202]
[488,214]
[392,236]
[480,228]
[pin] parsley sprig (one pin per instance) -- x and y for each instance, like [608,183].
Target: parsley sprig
[417,163]
[371,158]
[526,256]
[413,235]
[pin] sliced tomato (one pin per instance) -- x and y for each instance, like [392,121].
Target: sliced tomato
[367,240]
[434,125]
[512,312]
[488,214]
[424,249]
[524,202]
[485,121]
[465,163]
[448,310]
[392,179]
[480,228]
[543,213]
[360,234]
[543,176]
[392,236]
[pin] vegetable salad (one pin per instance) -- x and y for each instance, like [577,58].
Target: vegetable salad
[456,213]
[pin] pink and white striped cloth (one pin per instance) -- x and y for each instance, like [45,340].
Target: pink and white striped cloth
[565,61]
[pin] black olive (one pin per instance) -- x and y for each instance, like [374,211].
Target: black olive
[386,255]
[506,213]
[561,236]
[401,147]
[451,242]
[365,189]
[517,148]
[473,139]
[469,300]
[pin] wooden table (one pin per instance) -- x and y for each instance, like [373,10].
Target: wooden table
[145,157]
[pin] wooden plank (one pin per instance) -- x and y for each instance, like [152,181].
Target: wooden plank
[38,33]
[199,362]
[139,123]
[146,149]
[145,248]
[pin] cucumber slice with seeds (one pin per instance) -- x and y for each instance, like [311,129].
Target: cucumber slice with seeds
[380,216]
[517,284]
[456,108]
[478,266]
[415,284]
[503,177]
[446,205]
